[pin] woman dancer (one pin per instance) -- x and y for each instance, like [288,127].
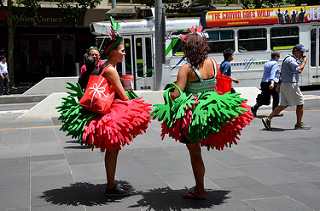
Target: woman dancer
[126,119]
[196,115]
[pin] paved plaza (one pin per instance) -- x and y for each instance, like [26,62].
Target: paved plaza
[42,169]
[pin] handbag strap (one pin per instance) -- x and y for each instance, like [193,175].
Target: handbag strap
[104,69]
[282,65]
[215,68]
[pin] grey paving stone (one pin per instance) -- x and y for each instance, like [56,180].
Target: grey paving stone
[151,154]
[83,157]
[252,192]
[230,204]
[15,197]
[305,193]
[136,173]
[231,158]
[16,137]
[20,163]
[253,151]
[185,179]
[14,177]
[50,167]
[46,148]
[42,131]
[18,151]
[91,171]
[216,169]
[268,175]
[282,203]
[166,165]
[47,157]
[316,184]
[179,152]
[58,208]
[295,148]
[231,182]
[289,165]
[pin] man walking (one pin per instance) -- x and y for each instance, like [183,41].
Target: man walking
[269,83]
[290,91]
[225,66]
[4,77]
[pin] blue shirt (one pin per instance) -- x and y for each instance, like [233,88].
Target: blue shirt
[225,67]
[271,71]
[290,69]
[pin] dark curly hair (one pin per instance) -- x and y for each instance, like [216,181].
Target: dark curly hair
[195,50]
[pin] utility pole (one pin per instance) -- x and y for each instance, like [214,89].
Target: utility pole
[159,44]
[113,4]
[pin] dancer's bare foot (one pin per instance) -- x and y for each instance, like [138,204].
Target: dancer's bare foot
[194,195]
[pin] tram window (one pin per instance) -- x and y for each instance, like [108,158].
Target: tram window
[128,56]
[139,57]
[252,40]
[176,45]
[148,56]
[284,38]
[220,40]
[313,47]
[101,42]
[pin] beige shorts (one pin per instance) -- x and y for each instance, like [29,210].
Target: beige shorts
[291,94]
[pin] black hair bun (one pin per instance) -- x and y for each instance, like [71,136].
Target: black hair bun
[90,63]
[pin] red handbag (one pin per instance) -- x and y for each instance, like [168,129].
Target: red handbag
[99,94]
[223,82]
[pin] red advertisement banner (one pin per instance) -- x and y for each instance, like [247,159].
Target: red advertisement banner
[282,15]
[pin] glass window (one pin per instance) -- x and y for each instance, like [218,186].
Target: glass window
[149,56]
[220,40]
[128,61]
[252,40]
[313,47]
[176,44]
[284,38]
[139,57]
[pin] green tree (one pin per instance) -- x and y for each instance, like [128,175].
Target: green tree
[30,8]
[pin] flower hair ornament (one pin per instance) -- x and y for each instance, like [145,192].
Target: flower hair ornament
[197,30]
[115,36]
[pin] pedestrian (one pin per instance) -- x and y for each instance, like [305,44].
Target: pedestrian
[95,53]
[91,66]
[225,66]
[85,55]
[4,80]
[291,94]
[268,84]
[189,113]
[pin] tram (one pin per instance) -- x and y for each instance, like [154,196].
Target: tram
[253,34]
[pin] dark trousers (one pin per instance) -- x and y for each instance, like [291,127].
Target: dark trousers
[266,94]
[4,83]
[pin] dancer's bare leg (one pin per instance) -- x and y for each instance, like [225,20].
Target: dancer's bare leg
[111,164]
[198,169]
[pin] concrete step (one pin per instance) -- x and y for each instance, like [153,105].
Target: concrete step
[19,98]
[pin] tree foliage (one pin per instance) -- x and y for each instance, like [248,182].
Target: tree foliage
[74,10]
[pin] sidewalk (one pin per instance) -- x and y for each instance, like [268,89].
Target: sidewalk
[42,169]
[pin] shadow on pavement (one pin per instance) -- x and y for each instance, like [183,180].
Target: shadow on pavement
[161,199]
[80,193]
